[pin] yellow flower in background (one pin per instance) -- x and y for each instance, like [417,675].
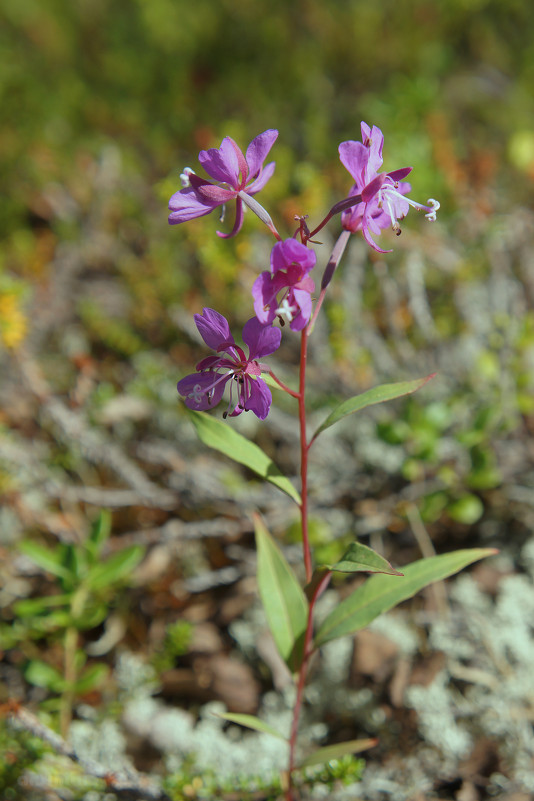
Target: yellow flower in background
[13,321]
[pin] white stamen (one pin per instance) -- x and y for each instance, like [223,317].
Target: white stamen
[184,177]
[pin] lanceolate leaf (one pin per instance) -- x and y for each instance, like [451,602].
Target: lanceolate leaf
[116,567]
[100,532]
[337,750]
[92,677]
[251,722]
[381,593]
[48,559]
[284,602]
[361,559]
[224,438]
[41,674]
[385,392]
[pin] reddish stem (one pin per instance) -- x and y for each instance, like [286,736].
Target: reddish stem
[283,386]
[304,456]
[303,672]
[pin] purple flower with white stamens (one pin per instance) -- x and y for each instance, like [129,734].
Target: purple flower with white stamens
[291,262]
[204,389]
[238,176]
[384,200]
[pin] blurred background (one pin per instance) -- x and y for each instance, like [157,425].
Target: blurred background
[104,103]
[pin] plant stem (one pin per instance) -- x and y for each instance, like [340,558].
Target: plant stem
[304,456]
[303,672]
[69,673]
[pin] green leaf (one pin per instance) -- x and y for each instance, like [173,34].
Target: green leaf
[362,559]
[91,678]
[75,561]
[224,438]
[285,605]
[115,568]
[381,593]
[252,722]
[41,674]
[380,394]
[59,619]
[44,557]
[100,532]
[29,607]
[336,751]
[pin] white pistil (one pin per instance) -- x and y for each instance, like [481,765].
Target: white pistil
[197,393]
[184,177]
[285,310]
[387,194]
[434,205]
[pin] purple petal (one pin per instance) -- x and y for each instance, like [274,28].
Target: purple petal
[398,175]
[368,223]
[262,179]
[354,156]
[401,208]
[213,328]
[185,205]
[259,398]
[208,363]
[238,222]
[303,300]
[258,149]
[285,253]
[194,389]
[351,220]
[263,292]
[222,164]
[262,340]
[373,139]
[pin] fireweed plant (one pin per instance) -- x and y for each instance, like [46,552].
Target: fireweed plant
[285,296]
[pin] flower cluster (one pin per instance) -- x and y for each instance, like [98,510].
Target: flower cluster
[284,292]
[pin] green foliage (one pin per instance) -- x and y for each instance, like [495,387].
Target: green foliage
[19,751]
[197,785]
[284,602]
[381,593]
[223,438]
[362,559]
[190,783]
[178,637]
[88,587]
[252,722]
[334,752]
[373,396]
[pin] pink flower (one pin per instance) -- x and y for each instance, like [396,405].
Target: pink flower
[203,390]
[384,200]
[234,173]
[291,261]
